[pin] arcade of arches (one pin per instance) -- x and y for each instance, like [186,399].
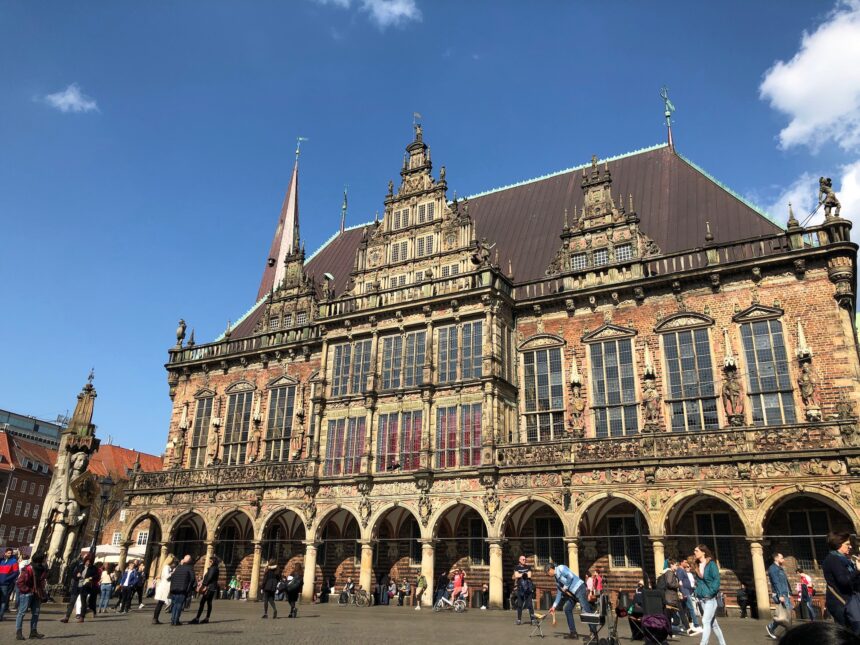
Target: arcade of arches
[617,533]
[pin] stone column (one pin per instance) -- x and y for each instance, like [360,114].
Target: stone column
[210,551]
[760,578]
[254,592]
[428,559]
[310,572]
[123,556]
[365,576]
[659,555]
[496,582]
[573,554]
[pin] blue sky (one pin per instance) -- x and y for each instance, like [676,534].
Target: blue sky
[146,147]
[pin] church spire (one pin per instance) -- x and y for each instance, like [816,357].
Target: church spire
[286,237]
[668,110]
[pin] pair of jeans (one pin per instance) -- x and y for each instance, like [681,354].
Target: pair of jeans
[269,599]
[28,601]
[178,600]
[5,592]
[525,602]
[709,622]
[691,610]
[580,596]
[105,594]
[813,613]
[787,604]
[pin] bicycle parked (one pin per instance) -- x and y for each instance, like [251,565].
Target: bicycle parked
[358,598]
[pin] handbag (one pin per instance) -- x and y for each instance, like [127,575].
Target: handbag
[781,614]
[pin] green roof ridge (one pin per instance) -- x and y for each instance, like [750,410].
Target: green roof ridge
[758,209]
[567,170]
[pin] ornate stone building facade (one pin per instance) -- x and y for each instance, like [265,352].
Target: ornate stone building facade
[603,366]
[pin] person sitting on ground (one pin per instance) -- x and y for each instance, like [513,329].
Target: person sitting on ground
[403,592]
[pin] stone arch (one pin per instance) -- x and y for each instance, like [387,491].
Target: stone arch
[189,516]
[264,522]
[536,500]
[328,514]
[375,519]
[228,514]
[234,543]
[584,507]
[140,517]
[674,507]
[433,523]
[282,534]
[188,535]
[821,494]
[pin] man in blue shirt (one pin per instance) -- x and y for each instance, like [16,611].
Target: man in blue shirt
[780,588]
[569,589]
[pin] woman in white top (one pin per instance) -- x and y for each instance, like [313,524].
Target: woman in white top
[162,588]
[106,582]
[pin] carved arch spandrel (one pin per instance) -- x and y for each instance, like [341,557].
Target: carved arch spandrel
[684,320]
[540,341]
[822,494]
[584,506]
[565,517]
[670,504]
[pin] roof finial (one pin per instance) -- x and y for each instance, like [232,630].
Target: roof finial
[566,225]
[343,211]
[376,217]
[91,376]
[299,145]
[709,237]
[669,108]
[792,220]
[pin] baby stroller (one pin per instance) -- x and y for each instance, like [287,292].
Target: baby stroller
[655,627]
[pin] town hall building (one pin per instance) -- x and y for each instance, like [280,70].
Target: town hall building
[603,366]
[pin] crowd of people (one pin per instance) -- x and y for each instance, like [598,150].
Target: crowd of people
[689,590]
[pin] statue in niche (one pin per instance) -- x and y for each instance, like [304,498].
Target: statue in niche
[254,443]
[733,397]
[827,197]
[807,382]
[178,449]
[577,407]
[651,403]
[213,444]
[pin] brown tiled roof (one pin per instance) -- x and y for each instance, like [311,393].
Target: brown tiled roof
[24,449]
[672,197]
[5,452]
[117,461]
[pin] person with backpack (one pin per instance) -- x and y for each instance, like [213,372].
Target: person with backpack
[32,591]
[805,591]
[707,590]
[420,588]
[525,595]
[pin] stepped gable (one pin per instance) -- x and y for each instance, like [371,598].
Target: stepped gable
[526,219]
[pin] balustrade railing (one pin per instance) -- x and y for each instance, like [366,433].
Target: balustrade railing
[220,476]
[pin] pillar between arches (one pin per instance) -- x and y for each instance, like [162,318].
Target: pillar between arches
[428,558]
[254,592]
[659,554]
[365,574]
[309,572]
[496,583]
[759,577]
[572,554]
[123,556]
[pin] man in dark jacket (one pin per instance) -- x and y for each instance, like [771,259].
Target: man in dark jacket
[181,584]
[8,576]
[210,582]
[270,587]
[80,586]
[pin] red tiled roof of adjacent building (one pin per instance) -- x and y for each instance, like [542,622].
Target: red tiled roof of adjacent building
[673,198]
[117,462]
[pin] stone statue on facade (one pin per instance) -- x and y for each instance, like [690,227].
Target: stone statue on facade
[651,404]
[733,397]
[810,394]
[213,445]
[254,443]
[178,449]
[827,197]
[180,332]
[577,411]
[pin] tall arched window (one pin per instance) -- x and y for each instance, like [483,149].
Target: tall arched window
[282,399]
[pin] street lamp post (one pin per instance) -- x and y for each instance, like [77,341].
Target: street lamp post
[106,484]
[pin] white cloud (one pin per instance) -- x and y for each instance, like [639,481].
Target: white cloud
[802,193]
[383,13]
[71,99]
[819,88]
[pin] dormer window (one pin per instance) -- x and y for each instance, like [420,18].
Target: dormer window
[302,318]
[400,219]
[601,257]
[624,252]
[578,262]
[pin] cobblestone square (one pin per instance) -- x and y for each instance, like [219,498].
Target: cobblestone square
[238,621]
